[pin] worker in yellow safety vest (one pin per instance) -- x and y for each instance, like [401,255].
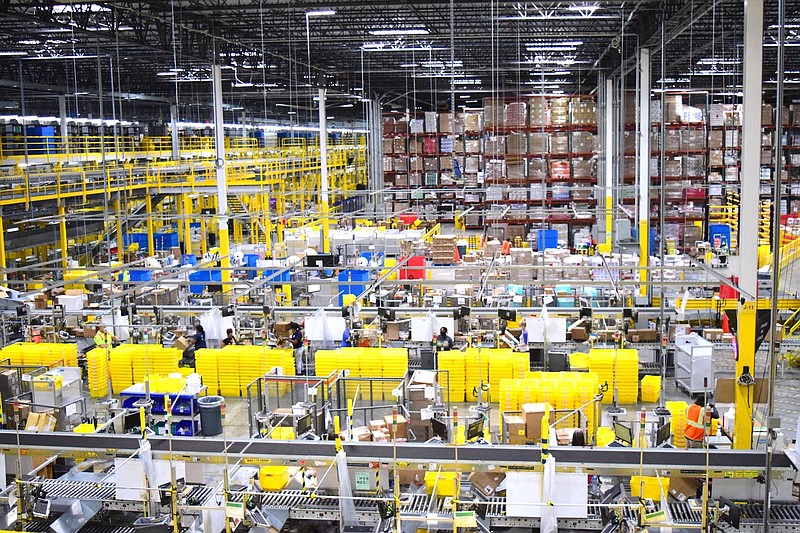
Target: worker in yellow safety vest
[695,420]
[104,339]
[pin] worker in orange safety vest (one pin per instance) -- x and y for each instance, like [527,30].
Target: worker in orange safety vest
[695,420]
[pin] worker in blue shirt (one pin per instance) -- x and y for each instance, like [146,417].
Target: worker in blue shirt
[347,337]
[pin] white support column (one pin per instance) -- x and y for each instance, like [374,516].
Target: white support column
[323,172]
[173,120]
[643,157]
[751,144]
[375,128]
[608,150]
[222,184]
[62,114]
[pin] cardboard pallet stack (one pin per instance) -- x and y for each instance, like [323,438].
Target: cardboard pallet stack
[443,249]
[421,394]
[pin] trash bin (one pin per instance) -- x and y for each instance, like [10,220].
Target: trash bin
[211,414]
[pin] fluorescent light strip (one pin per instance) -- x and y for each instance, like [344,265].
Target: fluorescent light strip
[321,13]
[399,31]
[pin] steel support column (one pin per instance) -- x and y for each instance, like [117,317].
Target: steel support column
[173,121]
[62,234]
[62,115]
[222,184]
[643,157]
[748,217]
[324,200]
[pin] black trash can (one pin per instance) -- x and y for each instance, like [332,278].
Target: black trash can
[211,414]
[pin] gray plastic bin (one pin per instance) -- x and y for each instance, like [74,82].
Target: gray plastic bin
[211,414]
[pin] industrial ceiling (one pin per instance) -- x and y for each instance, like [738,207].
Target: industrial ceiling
[426,55]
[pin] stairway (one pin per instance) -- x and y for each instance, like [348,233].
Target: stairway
[238,210]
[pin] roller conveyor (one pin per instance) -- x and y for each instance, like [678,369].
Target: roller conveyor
[78,490]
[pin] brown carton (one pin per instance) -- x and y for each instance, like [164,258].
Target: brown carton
[377,425]
[362,434]
[402,426]
[516,429]
[486,482]
[282,329]
[181,343]
[682,488]
[33,422]
[533,414]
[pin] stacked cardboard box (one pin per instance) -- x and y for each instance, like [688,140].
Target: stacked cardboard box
[443,249]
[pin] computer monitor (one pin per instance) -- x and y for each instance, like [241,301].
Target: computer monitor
[304,425]
[388,314]
[623,433]
[734,514]
[663,434]
[320,261]
[475,430]
[507,314]
[439,428]
[131,421]
[610,496]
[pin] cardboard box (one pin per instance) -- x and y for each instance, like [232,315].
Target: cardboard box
[643,335]
[411,477]
[416,393]
[516,429]
[392,331]
[362,434]
[564,436]
[377,425]
[423,377]
[33,422]
[486,482]
[282,329]
[181,343]
[402,426]
[580,334]
[380,436]
[533,414]
[725,387]
[682,488]
[712,334]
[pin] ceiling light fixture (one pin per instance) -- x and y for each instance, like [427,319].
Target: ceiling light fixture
[321,13]
[11,53]
[399,31]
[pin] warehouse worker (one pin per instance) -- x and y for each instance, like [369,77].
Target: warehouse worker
[229,338]
[196,342]
[523,336]
[443,340]
[347,336]
[505,248]
[695,420]
[296,340]
[104,339]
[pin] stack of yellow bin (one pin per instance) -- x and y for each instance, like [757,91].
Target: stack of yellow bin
[394,365]
[151,359]
[120,370]
[206,365]
[476,370]
[97,372]
[326,362]
[678,422]
[628,376]
[501,366]
[618,368]
[228,372]
[455,378]
[41,354]
[651,388]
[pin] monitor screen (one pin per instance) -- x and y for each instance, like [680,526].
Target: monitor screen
[734,514]
[475,430]
[663,434]
[439,428]
[623,433]
[320,261]
[507,314]
[131,421]
[303,425]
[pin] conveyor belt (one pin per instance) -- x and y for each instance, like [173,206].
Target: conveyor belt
[649,369]
[78,490]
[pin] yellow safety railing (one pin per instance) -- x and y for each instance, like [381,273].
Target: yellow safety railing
[791,325]
[435,230]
